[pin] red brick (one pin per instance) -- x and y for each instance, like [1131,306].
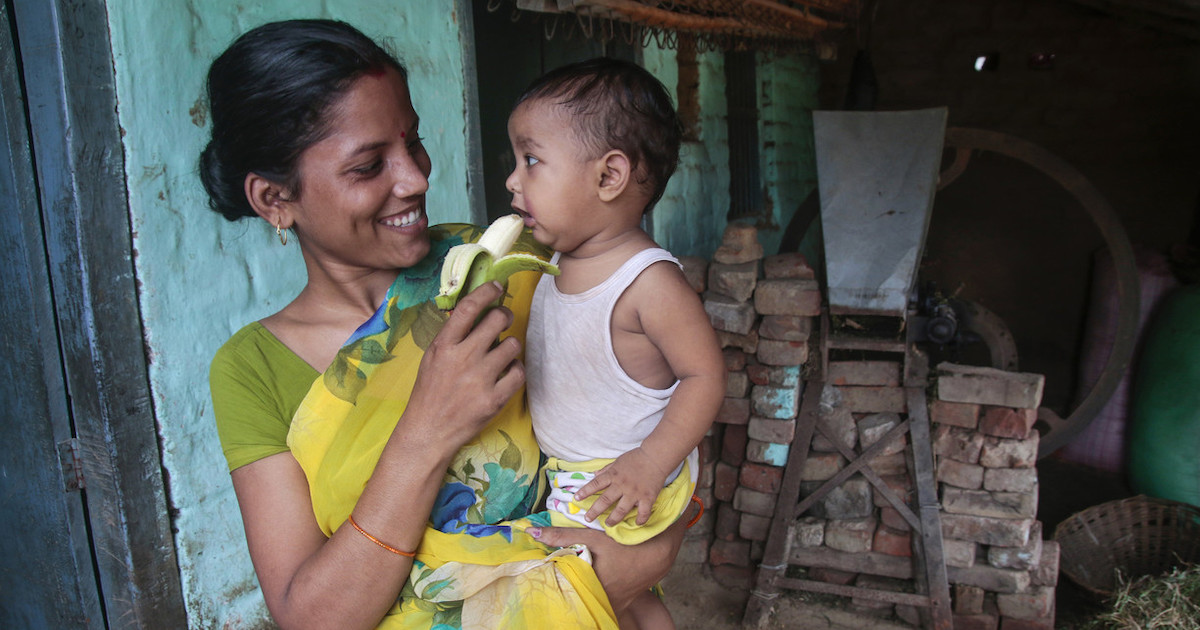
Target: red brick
[771,430]
[735,552]
[787,296]
[1007,422]
[776,352]
[965,415]
[726,481]
[729,315]
[1004,453]
[737,384]
[785,327]
[734,359]
[957,443]
[821,466]
[788,265]
[892,542]
[873,373]
[736,281]
[733,446]
[1036,604]
[761,477]
[900,485]
[968,600]
[734,411]
[759,374]
[959,474]
[728,519]
[890,516]
[745,343]
[739,244]
[754,527]
[874,399]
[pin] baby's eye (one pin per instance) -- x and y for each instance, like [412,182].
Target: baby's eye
[530,160]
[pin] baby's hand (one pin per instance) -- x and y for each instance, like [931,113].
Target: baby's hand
[633,480]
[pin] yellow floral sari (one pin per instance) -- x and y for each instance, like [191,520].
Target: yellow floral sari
[475,568]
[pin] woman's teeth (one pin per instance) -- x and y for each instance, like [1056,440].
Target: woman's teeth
[402,220]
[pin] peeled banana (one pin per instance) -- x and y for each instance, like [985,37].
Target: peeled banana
[470,265]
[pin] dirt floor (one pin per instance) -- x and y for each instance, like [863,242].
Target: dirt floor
[699,602]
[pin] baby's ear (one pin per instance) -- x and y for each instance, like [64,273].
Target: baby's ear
[615,174]
[269,200]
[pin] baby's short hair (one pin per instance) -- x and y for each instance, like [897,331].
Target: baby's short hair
[615,104]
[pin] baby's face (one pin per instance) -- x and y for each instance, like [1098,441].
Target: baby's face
[554,183]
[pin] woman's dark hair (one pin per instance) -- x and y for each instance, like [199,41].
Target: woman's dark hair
[269,95]
[615,104]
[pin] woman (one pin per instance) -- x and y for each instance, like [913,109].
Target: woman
[405,452]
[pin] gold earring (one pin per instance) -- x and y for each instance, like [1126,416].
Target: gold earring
[281,233]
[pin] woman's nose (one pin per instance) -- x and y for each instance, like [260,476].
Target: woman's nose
[411,175]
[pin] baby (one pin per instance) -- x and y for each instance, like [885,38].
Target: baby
[625,373]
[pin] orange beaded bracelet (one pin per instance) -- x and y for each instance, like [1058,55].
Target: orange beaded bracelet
[410,554]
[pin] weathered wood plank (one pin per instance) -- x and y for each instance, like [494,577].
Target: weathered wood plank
[67,63]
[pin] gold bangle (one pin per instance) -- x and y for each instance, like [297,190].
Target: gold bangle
[410,554]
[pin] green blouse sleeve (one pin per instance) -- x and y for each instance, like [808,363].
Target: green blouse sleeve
[256,383]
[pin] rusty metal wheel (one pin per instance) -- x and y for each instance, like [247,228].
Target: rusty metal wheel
[1056,430]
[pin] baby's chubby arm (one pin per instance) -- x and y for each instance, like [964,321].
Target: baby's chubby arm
[669,313]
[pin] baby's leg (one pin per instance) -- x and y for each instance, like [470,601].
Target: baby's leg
[647,612]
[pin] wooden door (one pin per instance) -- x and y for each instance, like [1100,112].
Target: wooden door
[86,537]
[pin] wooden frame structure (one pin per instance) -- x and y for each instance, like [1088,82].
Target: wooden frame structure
[929,566]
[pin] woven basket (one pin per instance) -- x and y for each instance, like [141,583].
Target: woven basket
[1132,537]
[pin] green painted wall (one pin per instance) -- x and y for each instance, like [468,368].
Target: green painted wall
[691,216]
[202,278]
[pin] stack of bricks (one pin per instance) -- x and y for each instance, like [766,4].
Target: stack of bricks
[1002,574]
[762,309]
[1001,571]
[853,536]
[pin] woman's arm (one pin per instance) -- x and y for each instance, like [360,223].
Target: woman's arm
[347,581]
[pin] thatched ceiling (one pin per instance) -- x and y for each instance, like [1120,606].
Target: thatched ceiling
[715,23]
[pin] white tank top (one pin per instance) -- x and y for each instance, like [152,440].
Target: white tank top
[584,405]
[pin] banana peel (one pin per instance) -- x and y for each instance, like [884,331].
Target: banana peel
[470,265]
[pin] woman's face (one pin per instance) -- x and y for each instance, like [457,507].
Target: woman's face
[361,201]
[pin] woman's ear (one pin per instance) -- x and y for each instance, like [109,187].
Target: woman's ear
[268,200]
[615,174]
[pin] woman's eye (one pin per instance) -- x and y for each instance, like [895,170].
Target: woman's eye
[368,169]
[530,160]
[415,144]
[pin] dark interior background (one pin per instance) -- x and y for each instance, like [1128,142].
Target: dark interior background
[1119,101]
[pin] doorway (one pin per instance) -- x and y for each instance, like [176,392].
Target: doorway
[512,48]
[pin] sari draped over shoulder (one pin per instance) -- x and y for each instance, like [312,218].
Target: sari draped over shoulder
[475,567]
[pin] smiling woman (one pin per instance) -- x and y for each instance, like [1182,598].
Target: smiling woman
[360,402]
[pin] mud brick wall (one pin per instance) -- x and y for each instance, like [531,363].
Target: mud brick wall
[1002,574]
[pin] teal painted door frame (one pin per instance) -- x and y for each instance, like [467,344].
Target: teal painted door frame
[75,367]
